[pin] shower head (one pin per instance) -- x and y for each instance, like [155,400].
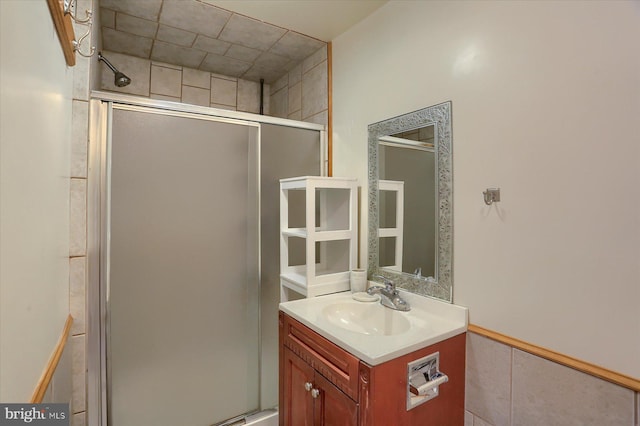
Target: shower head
[120,80]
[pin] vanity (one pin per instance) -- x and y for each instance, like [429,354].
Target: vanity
[354,362]
[345,362]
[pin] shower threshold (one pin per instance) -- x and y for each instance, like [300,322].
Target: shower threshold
[259,418]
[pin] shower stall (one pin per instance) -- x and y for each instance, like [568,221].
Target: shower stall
[183,242]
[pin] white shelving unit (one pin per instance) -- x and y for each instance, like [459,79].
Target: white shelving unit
[395,232]
[318,235]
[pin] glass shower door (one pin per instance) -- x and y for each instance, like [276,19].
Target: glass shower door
[183,270]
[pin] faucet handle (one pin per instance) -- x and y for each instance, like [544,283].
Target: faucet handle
[390,285]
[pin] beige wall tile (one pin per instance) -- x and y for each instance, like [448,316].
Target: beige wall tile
[196,78]
[279,103]
[79,377]
[546,393]
[242,53]
[81,78]
[148,9]
[224,64]
[77,217]
[61,388]
[79,419]
[248,96]
[211,45]
[123,42]
[250,32]
[319,56]
[295,98]
[295,116]
[195,96]
[166,81]
[224,77]
[167,52]
[488,379]
[135,68]
[79,138]
[194,16]
[220,106]
[314,91]
[295,75]
[167,65]
[320,118]
[175,36]
[134,25]
[477,421]
[107,18]
[266,107]
[468,418]
[224,91]
[77,293]
[165,98]
[281,83]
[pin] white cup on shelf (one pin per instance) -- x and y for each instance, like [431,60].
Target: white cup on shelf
[358,280]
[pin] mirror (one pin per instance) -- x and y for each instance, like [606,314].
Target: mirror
[410,201]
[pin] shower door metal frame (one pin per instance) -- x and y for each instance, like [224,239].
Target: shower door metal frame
[98,207]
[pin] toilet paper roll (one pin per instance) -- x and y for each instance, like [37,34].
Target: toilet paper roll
[358,280]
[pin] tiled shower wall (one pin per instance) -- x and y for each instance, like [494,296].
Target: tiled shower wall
[305,87]
[506,386]
[84,78]
[302,94]
[158,80]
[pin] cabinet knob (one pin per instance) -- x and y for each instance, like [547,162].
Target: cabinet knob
[308,386]
[315,393]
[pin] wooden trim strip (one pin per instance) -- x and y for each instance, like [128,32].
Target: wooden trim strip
[64,28]
[583,366]
[330,110]
[50,368]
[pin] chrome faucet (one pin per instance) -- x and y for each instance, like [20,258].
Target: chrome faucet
[389,296]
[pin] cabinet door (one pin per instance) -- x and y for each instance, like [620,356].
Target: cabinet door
[332,407]
[297,407]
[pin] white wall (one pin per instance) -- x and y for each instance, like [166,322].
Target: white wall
[546,102]
[35,125]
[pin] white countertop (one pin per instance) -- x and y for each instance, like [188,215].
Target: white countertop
[430,322]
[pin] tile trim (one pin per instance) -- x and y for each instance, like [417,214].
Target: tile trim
[568,361]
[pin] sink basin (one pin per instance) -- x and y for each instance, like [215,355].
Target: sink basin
[374,333]
[369,318]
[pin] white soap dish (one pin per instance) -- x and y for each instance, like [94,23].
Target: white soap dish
[363,296]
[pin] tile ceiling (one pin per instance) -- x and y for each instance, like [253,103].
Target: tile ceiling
[199,35]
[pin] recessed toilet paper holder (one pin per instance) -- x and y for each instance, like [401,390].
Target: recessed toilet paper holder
[424,379]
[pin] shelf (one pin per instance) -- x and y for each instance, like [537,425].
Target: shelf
[304,182]
[389,232]
[295,232]
[317,258]
[319,235]
[291,282]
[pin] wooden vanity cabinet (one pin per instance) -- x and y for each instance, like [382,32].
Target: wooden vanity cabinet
[322,384]
[311,399]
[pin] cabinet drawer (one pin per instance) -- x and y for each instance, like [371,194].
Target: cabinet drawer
[334,363]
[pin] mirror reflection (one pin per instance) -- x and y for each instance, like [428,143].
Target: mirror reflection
[410,199]
[407,177]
